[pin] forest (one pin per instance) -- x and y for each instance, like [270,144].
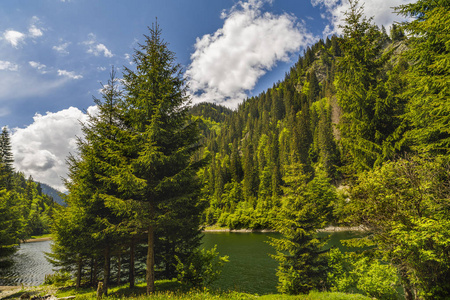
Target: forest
[356,134]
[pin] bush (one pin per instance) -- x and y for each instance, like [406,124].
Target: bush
[59,278]
[202,268]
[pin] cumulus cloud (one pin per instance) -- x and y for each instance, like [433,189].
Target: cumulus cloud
[41,149]
[381,11]
[227,64]
[38,66]
[8,66]
[34,31]
[96,48]
[62,48]
[14,37]
[69,74]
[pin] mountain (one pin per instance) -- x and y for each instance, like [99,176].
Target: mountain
[298,121]
[55,194]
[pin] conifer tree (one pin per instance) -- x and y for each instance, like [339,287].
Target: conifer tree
[162,172]
[367,120]
[6,159]
[305,208]
[428,109]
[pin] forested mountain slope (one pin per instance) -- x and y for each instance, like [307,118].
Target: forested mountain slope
[295,121]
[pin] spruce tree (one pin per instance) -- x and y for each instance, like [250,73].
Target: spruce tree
[367,119]
[162,171]
[305,208]
[428,109]
[6,159]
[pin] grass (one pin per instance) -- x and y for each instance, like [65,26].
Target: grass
[172,290]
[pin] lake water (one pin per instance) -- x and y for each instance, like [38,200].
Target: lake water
[30,265]
[250,267]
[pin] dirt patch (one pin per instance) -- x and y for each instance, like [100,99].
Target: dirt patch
[6,291]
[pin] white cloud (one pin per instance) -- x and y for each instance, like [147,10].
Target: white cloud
[96,48]
[62,48]
[41,148]
[69,74]
[34,31]
[14,37]
[227,64]
[381,11]
[38,66]
[8,66]
[129,58]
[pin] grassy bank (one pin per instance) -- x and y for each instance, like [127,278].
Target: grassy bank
[173,291]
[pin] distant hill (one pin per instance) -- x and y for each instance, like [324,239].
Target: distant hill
[55,194]
[211,111]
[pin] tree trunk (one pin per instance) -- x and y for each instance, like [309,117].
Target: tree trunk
[119,268]
[131,275]
[406,284]
[150,261]
[91,278]
[95,271]
[79,271]
[106,270]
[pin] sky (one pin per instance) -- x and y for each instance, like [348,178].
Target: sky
[54,55]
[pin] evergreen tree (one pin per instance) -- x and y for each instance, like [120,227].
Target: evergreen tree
[305,208]
[428,109]
[6,159]
[162,171]
[367,120]
[11,226]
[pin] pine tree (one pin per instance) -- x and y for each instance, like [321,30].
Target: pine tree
[162,171]
[305,208]
[6,159]
[428,110]
[367,119]
[11,226]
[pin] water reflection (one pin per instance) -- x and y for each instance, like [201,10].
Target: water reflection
[30,265]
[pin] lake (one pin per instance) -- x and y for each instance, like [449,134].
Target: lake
[30,265]
[250,268]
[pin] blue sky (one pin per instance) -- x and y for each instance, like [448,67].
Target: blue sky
[55,53]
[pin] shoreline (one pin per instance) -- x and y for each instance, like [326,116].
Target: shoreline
[238,230]
[326,229]
[38,240]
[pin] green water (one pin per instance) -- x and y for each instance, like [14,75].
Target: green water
[251,269]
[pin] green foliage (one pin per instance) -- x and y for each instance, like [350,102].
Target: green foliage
[59,278]
[406,205]
[24,210]
[202,268]
[428,109]
[351,273]
[305,208]
[135,181]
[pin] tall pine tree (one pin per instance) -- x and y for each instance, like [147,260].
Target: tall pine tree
[165,140]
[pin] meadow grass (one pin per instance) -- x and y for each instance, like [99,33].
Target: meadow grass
[172,290]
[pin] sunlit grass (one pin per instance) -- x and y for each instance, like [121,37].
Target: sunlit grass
[173,290]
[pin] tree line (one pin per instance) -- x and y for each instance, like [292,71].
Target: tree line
[356,134]
[25,210]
